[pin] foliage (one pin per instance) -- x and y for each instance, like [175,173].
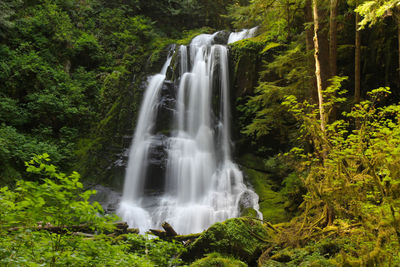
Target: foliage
[59,200]
[352,173]
[372,11]
[279,19]
[161,253]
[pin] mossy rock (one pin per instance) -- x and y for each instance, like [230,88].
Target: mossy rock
[242,237]
[249,212]
[245,54]
[216,259]
[271,201]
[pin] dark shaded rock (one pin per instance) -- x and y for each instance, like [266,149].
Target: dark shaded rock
[157,160]
[166,108]
[221,37]
[243,238]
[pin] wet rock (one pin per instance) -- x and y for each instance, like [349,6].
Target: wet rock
[221,37]
[246,200]
[166,108]
[157,160]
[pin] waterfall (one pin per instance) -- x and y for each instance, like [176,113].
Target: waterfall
[243,34]
[200,184]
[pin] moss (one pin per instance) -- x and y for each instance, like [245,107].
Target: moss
[306,256]
[249,212]
[216,259]
[272,203]
[241,237]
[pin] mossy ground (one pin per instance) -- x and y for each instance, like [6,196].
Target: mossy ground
[216,259]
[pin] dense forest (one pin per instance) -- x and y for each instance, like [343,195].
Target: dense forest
[315,122]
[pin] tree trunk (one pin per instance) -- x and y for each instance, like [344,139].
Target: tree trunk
[357,71]
[333,37]
[397,19]
[318,66]
[310,47]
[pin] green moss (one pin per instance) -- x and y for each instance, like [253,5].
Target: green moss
[272,204]
[249,212]
[310,255]
[241,237]
[216,259]
[246,57]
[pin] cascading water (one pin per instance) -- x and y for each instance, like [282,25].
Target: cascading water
[243,34]
[202,184]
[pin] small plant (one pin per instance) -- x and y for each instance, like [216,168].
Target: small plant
[40,222]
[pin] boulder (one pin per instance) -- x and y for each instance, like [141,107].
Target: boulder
[243,238]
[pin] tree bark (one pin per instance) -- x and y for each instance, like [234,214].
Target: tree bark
[308,12]
[333,37]
[318,66]
[357,62]
[397,19]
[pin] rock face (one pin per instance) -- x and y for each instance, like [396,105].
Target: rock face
[242,237]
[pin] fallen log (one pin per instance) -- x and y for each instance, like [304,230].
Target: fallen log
[185,237]
[55,229]
[121,228]
[160,233]
[164,235]
[169,229]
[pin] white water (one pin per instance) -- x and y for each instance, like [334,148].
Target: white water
[203,184]
[243,34]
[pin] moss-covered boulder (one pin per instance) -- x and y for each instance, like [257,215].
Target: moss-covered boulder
[242,237]
[216,259]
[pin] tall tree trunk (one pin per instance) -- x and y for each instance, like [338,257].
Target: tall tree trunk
[333,37]
[308,12]
[333,48]
[357,59]
[318,66]
[398,41]
[323,42]
[397,19]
